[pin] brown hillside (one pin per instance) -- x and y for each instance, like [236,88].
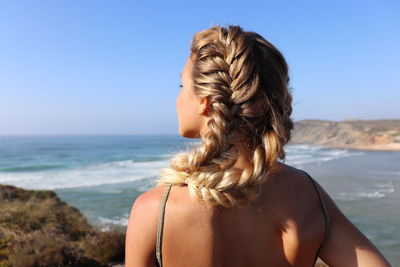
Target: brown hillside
[352,134]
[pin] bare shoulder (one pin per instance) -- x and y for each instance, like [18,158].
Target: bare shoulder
[294,199]
[290,179]
[141,233]
[149,198]
[287,172]
[345,244]
[146,205]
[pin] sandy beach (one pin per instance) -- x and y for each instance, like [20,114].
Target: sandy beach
[371,147]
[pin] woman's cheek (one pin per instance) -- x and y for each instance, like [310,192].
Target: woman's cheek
[180,109]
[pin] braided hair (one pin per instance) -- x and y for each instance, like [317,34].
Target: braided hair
[246,80]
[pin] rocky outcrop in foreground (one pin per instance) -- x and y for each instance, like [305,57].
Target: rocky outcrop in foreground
[351,134]
[38,229]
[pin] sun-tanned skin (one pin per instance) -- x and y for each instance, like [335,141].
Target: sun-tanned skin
[284,227]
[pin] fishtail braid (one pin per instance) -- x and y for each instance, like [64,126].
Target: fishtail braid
[246,80]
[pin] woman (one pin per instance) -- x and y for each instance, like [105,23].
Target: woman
[232,202]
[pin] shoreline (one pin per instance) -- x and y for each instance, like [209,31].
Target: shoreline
[372,147]
[369,135]
[387,147]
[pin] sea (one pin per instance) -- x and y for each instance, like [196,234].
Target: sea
[102,175]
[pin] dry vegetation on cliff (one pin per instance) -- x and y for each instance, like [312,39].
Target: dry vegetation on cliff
[38,229]
[352,134]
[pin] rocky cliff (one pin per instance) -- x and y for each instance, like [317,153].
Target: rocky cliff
[38,229]
[352,134]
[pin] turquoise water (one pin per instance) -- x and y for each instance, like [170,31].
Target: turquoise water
[102,176]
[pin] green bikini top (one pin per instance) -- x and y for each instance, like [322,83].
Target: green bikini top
[162,213]
[161,225]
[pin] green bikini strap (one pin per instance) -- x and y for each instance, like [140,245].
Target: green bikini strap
[161,225]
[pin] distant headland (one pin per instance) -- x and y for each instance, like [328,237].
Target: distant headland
[381,135]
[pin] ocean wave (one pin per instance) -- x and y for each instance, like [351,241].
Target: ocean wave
[387,173]
[123,221]
[31,168]
[107,224]
[111,191]
[298,155]
[93,175]
[380,190]
[375,194]
[51,177]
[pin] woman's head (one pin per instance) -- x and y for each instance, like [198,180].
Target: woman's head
[235,96]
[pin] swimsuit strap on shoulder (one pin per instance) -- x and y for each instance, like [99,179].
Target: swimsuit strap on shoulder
[161,225]
[325,212]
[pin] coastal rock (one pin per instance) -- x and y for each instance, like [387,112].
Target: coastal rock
[38,229]
[351,134]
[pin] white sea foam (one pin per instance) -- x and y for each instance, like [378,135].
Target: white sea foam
[107,224]
[129,170]
[123,221]
[375,194]
[98,174]
[298,155]
[378,191]
[386,187]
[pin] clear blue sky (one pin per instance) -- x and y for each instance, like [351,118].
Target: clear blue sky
[112,67]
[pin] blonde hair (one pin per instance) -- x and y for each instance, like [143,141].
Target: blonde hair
[246,80]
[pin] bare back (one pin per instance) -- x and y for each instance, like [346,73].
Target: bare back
[284,227]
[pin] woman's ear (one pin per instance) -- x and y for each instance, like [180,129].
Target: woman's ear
[204,106]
